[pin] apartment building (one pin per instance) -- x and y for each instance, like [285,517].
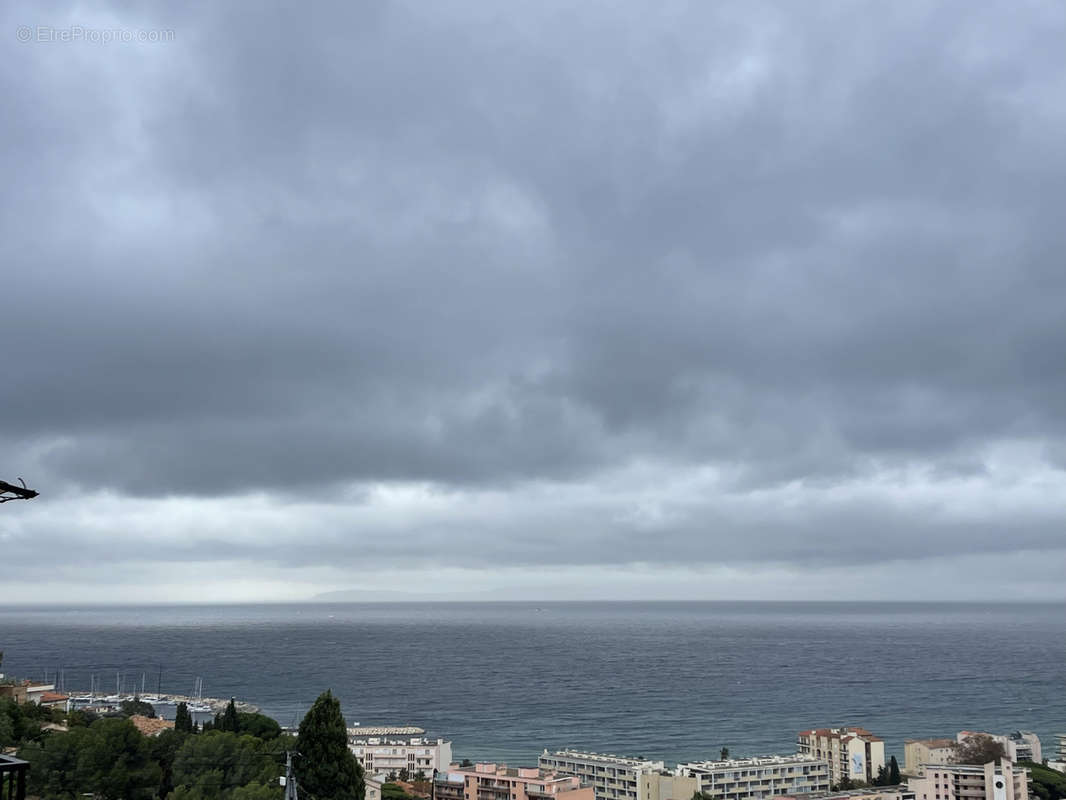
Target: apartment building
[853,753]
[611,777]
[656,786]
[864,793]
[769,776]
[1059,760]
[372,785]
[919,752]
[1019,745]
[382,755]
[500,782]
[992,781]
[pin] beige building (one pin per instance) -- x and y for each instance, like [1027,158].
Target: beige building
[770,776]
[1002,781]
[500,782]
[373,786]
[611,777]
[852,753]
[918,752]
[667,787]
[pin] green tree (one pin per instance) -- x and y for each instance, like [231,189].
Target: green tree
[881,779]
[894,778]
[164,749]
[258,725]
[227,720]
[392,791]
[258,791]
[182,719]
[136,706]
[978,748]
[211,765]
[420,776]
[326,767]
[54,764]
[1046,783]
[109,759]
[724,754]
[80,718]
[404,774]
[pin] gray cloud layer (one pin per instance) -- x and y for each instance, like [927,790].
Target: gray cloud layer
[722,283]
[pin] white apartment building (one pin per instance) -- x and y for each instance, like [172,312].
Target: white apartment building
[852,753]
[1059,761]
[1002,781]
[769,776]
[381,755]
[612,777]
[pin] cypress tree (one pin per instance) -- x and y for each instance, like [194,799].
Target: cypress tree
[229,721]
[894,778]
[182,719]
[326,767]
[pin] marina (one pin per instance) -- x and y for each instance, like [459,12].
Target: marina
[165,705]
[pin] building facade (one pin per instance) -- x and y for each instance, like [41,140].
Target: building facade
[919,752]
[1018,746]
[373,784]
[381,755]
[865,793]
[770,776]
[611,777]
[853,754]
[500,782]
[1059,760]
[655,786]
[992,781]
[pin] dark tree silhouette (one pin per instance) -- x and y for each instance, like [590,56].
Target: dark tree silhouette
[326,768]
[8,491]
[980,748]
[894,778]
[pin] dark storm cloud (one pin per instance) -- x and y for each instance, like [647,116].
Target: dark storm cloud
[446,243]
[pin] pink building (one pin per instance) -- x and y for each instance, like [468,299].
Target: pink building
[500,782]
[991,781]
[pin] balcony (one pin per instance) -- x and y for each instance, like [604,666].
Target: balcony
[13,778]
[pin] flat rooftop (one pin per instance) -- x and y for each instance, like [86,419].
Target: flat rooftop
[606,758]
[756,761]
[385,730]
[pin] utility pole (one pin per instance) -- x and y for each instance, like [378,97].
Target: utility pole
[290,779]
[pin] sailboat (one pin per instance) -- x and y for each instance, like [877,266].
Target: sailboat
[148,698]
[91,696]
[199,707]
[117,696]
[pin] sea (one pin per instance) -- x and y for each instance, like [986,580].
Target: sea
[503,681]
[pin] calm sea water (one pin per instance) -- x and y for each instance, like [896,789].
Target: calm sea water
[676,681]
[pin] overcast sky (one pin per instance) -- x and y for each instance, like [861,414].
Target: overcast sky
[546,300]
